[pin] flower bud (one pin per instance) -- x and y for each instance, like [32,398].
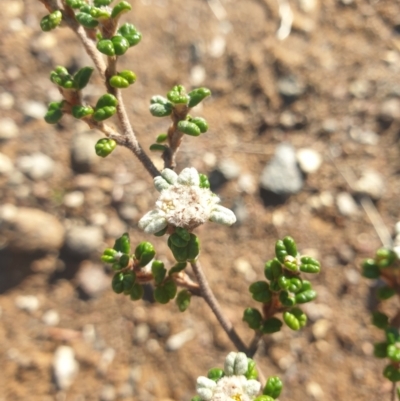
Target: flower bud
[260,291]
[120,8]
[178,95]
[273,387]
[129,75]
[158,270]
[204,182]
[51,21]
[197,95]
[81,78]
[86,20]
[144,253]
[295,318]
[183,300]
[106,47]
[252,317]
[215,373]
[129,32]
[123,244]
[120,44]
[271,325]
[104,147]
[80,111]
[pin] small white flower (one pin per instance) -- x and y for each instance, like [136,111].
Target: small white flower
[183,203]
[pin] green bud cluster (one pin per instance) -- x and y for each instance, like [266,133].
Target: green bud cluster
[123,79]
[185,246]
[284,289]
[61,77]
[51,21]
[106,107]
[384,263]
[104,147]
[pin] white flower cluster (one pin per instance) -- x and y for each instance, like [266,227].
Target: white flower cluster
[234,386]
[183,203]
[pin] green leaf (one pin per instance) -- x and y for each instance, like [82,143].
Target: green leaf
[391,373]
[380,320]
[295,285]
[99,13]
[271,325]
[106,100]
[117,283]
[370,269]
[75,3]
[264,398]
[54,113]
[162,138]
[204,182]
[193,247]
[106,46]
[215,374]
[144,253]
[86,20]
[157,147]
[183,300]
[159,271]
[177,268]
[385,257]
[392,335]
[104,113]
[260,291]
[178,241]
[102,3]
[104,147]
[160,100]
[130,33]
[280,251]
[295,318]
[120,8]
[251,373]
[183,233]
[80,111]
[380,350]
[129,75]
[305,296]
[252,317]
[51,21]
[273,387]
[201,123]
[177,95]
[197,95]
[118,82]
[309,265]
[109,255]
[386,293]
[284,282]
[136,292]
[123,244]
[188,128]
[120,44]
[393,352]
[128,280]
[286,300]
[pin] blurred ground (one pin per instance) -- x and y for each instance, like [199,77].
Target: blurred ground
[331,86]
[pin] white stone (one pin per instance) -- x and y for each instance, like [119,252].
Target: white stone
[217,46]
[34,109]
[320,328]
[371,183]
[65,367]
[177,341]
[314,390]
[309,160]
[36,166]
[6,101]
[8,128]
[74,199]
[51,318]
[84,240]
[29,303]
[197,75]
[346,204]
[6,165]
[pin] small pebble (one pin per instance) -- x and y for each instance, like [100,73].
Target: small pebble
[346,204]
[229,169]
[244,267]
[365,137]
[51,318]
[108,393]
[83,155]
[371,183]
[141,333]
[6,165]
[320,328]
[290,87]
[309,160]
[82,241]
[34,109]
[217,46]
[390,110]
[28,303]
[92,279]
[197,75]
[247,183]
[74,199]
[8,129]
[36,166]
[65,367]
[314,390]
[6,101]
[177,341]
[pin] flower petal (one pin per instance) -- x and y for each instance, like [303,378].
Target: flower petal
[169,175]
[222,215]
[160,183]
[252,388]
[189,176]
[205,387]
[153,222]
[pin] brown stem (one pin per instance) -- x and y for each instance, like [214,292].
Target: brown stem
[212,302]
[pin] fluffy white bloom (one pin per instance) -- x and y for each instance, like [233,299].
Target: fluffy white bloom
[184,203]
[234,386]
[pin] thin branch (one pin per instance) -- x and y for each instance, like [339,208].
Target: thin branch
[212,302]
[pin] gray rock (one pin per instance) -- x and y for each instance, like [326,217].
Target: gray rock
[83,155]
[8,129]
[229,169]
[29,230]
[65,367]
[34,109]
[390,110]
[290,87]
[371,183]
[91,279]
[36,166]
[282,175]
[82,241]
[6,165]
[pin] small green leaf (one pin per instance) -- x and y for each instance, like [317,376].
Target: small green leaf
[252,373]
[120,44]
[309,265]
[380,320]
[177,95]
[252,317]
[118,283]
[286,300]
[386,293]
[188,128]
[204,182]
[128,280]
[120,8]
[51,21]
[130,33]
[106,46]
[391,373]
[86,20]
[129,75]
[393,352]
[118,82]
[162,138]
[144,253]
[104,147]
[280,251]
[177,268]
[295,285]
[104,113]
[197,95]
[305,296]
[201,123]
[109,255]
[264,398]
[136,292]
[123,244]
[380,350]
[178,241]
[271,325]
[160,110]
[54,113]
[75,3]
[273,387]
[159,271]
[193,247]
[99,13]
[183,233]
[370,269]
[107,100]
[102,3]
[260,291]
[183,300]
[295,318]
[157,147]
[80,111]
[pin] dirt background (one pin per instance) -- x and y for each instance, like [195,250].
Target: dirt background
[344,59]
